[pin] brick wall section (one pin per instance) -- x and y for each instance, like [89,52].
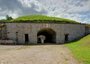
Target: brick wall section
[74,30]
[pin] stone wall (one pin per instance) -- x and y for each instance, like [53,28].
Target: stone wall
[3,32]
[0,34]
[74,30]
[7,42]
[87,30]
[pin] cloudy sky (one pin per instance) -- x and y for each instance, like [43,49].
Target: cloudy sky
[78,10]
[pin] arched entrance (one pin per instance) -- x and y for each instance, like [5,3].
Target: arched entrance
[49,34]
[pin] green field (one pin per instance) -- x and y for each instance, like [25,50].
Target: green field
[42,18]
[81,49]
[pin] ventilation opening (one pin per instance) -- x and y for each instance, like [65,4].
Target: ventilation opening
[50,35]
[26,37]
[66,37]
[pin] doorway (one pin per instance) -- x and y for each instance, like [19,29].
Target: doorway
[50,35]
[26,38]
[66,37]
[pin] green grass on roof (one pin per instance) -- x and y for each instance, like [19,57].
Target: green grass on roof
[3,20]
[88,24]
[42,18]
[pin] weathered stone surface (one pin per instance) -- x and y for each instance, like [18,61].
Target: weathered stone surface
[3,32]
[0,34]
[7,41]
[74,30]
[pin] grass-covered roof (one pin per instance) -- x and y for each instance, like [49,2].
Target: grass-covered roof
[42,19]
[3,20]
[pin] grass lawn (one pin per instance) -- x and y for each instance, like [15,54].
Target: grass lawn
[81,49]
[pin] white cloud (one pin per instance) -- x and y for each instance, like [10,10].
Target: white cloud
[89,19]
[69,9]
[2,17]
[85,20]
[17,8]
[0,8]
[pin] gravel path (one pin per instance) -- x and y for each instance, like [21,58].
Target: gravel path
[36,54]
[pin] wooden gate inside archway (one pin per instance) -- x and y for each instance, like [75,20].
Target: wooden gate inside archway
[50,35]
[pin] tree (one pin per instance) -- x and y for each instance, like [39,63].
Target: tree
[8,17]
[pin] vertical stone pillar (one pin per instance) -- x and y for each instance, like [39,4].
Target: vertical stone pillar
[59,38]
[33,37]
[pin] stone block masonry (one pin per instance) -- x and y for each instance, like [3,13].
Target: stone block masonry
[18,30]
[6,42]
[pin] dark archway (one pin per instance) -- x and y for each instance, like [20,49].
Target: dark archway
[49,34]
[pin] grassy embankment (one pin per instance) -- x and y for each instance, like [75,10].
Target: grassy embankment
[81,49]
[87,23]
[42,18]
[3,20]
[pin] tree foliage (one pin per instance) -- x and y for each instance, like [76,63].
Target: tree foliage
[8,17]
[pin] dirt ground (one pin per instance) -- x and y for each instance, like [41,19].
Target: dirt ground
[36,54]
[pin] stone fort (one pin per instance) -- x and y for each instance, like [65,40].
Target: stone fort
[27,33]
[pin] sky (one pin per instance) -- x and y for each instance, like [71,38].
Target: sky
[78,10]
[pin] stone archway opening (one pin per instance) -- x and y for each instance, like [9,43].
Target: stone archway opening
[50,35]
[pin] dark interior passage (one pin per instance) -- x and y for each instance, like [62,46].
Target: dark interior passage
[49,34]
[26,37]
[66,37]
